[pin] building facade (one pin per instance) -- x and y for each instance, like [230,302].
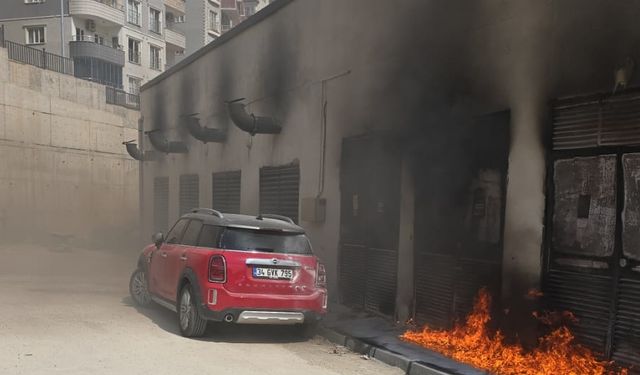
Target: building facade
[203,23]
[429,151]
[120,43]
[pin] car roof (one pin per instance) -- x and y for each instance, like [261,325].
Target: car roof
[266,222]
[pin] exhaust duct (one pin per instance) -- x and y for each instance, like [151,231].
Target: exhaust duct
[134,151]
[160,143]
[203,134]
[249,122]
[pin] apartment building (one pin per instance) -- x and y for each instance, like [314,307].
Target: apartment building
[203,23]
[236,11]
[119,43]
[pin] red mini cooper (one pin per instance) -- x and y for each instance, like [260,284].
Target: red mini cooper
[232,268]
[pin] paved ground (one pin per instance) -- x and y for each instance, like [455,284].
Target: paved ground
[68,312]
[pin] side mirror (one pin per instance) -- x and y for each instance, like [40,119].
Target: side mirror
[158,239]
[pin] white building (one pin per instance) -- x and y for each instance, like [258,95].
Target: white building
[120,43]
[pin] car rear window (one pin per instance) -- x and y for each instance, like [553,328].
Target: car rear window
[265,241]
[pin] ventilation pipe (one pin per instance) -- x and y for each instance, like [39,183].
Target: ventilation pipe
[201,133]
[135,152]
[251,123]
[160,143]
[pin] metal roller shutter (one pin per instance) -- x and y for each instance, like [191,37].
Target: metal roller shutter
[279,190]
[594,121]
[353,264]
[593,257]
[226,191]
[189,193]
[161,204]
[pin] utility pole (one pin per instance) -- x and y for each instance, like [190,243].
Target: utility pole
[62,28]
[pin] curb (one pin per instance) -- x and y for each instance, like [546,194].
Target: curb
[409,366]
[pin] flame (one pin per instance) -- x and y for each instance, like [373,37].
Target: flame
[472,343]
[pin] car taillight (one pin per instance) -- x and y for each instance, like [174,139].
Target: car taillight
[217,269]
[321,275]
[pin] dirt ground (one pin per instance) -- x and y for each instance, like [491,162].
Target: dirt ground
[67,311]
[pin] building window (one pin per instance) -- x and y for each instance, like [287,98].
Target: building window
[134,85]
[154,53]
[35,34]
[134,51]
[154,20]
[213,20]
[133,12]
[249,9]
[227,23]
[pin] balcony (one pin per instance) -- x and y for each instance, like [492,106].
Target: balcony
[108,10]
[87,47]
[175,4]
[175,38]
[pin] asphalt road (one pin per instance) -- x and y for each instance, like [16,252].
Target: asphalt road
[67,311]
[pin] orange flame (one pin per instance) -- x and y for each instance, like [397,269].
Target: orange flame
[472,343]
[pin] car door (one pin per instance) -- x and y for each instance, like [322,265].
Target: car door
[160,261]
[177,257]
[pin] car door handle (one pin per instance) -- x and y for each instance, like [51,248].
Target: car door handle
[164,255]
[183,258]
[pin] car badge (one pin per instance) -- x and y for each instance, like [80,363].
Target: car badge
[275,261]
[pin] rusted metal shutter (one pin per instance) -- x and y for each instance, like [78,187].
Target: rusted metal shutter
[446,287]
[626,342]
[352,267]
[279,190]
[161,204]
[594,121]
[226,191]
[588,297]
[189,192]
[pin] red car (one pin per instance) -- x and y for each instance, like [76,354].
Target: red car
[233,268]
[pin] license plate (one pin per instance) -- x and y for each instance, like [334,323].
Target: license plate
[272,273]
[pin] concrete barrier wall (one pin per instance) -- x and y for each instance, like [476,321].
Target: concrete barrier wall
[63,169]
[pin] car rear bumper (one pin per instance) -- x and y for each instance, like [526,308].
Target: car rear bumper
[221,305]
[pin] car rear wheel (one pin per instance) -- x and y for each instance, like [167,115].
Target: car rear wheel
[189,319]
[138,288]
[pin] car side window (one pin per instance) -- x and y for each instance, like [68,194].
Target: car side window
[192,233]
[175,234]
[210,236]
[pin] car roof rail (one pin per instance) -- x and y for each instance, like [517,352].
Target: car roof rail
[208,211]
[276,217]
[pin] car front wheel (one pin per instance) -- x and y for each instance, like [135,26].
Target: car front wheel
[189,319]
[138,288]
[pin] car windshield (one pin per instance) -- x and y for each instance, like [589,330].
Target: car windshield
[265,241]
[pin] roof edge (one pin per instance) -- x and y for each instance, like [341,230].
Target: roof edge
[246,24]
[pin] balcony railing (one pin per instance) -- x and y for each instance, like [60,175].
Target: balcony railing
[226,27]
[99,40]
[112,3]
[89,46]
[40,58]
[122,98]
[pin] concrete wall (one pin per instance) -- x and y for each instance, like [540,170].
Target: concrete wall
[420,70]
[64,169]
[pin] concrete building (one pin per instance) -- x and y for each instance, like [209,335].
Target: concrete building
[120,43]
[203,23]
[236,11]
[64,175]
[429,151]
